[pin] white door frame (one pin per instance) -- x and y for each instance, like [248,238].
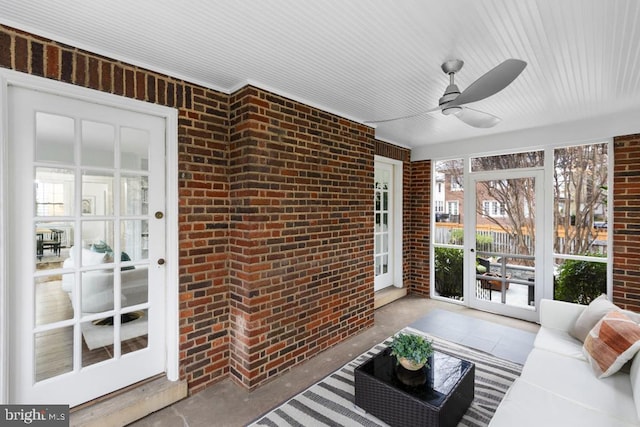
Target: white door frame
[12,78]
[396,203]
[470,237]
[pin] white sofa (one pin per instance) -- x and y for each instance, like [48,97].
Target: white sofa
[97,285]
[558,386]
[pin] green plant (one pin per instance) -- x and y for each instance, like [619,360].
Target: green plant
[448,272]
[580,281]
[484,242]
[413,347]
[456,236]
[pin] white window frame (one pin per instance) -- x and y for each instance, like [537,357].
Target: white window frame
[549,255]
[493,208]
[452,203]
[170,115]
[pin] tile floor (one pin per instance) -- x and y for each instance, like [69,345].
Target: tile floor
[227,404]
[502,341]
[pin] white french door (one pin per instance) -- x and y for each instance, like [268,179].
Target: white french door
[86,273]
[387,223]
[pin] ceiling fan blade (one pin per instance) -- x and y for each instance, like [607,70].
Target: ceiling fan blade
[477,119]
[491,82]
[403,117]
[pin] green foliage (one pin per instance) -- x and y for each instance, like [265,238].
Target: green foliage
[581,281]
[456,236]
[448,272]
[484,242]
[413,347]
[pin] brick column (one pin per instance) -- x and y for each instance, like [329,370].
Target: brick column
[420,230]
[301,246]
[626,222]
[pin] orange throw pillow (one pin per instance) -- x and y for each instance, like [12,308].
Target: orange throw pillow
[613,341]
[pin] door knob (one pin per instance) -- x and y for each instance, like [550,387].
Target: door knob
[161,261]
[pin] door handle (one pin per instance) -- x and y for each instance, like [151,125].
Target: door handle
[161,261]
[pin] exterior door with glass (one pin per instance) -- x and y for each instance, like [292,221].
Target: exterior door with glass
[86,279]
[383,233]
[504,252]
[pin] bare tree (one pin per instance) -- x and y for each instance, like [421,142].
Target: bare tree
[580,178]
[580,188]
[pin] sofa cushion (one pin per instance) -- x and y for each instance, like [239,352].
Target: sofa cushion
[528,405]
[573,379]
[559,342]
[590,316]
[613,341]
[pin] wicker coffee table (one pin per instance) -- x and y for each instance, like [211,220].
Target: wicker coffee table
[436,396]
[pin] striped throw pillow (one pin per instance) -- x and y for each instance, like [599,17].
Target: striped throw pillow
[613,341]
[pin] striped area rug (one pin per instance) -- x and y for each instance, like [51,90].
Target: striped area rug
[330,402]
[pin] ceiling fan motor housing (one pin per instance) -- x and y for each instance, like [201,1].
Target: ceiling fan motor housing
[450,93]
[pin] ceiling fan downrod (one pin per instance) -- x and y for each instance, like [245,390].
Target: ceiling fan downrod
[452,91]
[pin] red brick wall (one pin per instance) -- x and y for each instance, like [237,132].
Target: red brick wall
[420,230]
[626,222]
[203,184]
[301,247]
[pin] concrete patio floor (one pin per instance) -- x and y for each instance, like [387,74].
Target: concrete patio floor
[228,404]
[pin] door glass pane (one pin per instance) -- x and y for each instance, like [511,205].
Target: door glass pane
[54,192]
[134,280]
[97,144]
[54,138]
[97,291]
[52,242]
[53,352]
[97,236]
[97,337]
[134,193]
[134,331]
[134,239]
[97,193]
[53,301]
[134,149]
[505,241]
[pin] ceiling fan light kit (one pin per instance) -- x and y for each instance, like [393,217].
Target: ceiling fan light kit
[455,110]
[453,102]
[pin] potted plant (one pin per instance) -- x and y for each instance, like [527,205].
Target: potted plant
[412,351]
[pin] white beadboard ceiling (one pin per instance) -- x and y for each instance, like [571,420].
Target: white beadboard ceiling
[373,59]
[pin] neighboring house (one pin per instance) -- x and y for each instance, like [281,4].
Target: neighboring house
[275,220]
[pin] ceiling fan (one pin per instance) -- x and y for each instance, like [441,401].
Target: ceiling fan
[453,102]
